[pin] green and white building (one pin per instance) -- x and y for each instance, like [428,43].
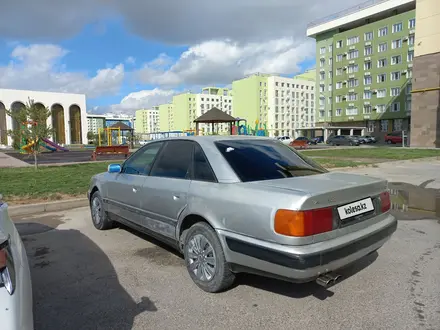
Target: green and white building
[285,105]
[364,60]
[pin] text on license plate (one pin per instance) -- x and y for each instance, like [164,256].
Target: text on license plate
[356,208]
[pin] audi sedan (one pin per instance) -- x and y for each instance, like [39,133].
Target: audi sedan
[235,204]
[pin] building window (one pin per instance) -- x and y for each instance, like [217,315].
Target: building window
[381,93]
[408,89]
[397,27]
[410,55]
[330,113]
[396,59]
[367,95]
[322,88]
[338,112]
[411,40]
[381,62]
[339,85]
[339,71]
[383,32]
[380,108]
[367,65]
[352,40]
[395,107]
[395,91]
[384,125]
[352,54]
[367,80]
[339,44]
[381,78]
[409,74]
[382,47]
[322,76]
[368,36]
[396,44]
[408,105]
[370,126]
[351,111]
[395,75]
[352,68]
[353,83]
[338,98]
[397,124]
[322,50]
[330,48]
[330,61]
[412,23]
[321,113]
[367,109]
[339,58]
[368,50]
[352,96]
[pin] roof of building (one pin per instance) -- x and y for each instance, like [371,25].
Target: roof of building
[215,115]
[122,126]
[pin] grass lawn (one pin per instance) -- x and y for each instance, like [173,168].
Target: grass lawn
[48,182]
[334,162]
[374,153]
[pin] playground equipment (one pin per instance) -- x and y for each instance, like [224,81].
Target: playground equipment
[108,131]
[27,145]
[243,129]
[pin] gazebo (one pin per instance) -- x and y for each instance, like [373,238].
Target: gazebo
[215,116]
[124,128]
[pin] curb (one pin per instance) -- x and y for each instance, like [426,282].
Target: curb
[28,209]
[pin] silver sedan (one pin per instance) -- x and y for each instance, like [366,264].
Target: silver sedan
[235,204]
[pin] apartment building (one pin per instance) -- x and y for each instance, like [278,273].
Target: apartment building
[189,106]
[364,59]
[166,118]
[291,106]
[111,119]
[286,106]
[95,123]
[147,121]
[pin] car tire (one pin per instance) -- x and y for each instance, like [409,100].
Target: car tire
[202,235]
[99,216]
[389,142]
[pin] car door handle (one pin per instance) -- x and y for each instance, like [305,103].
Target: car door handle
[135,190]
[176,197]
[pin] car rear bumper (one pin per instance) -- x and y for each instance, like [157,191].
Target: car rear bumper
[296,263]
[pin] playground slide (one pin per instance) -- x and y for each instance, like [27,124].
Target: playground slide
[54,145]
[49,147]
[27,147]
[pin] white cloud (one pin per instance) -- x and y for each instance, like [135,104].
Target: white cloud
[130,60]
[220,62]
[138,100]
[39,67]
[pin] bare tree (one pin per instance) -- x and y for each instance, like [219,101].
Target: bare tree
[32,125]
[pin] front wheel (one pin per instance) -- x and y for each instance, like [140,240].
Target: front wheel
[99,216]
[389,142]
[205,259]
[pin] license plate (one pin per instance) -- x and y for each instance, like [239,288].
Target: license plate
[356,208]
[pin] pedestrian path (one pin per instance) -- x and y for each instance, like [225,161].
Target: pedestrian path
[9,161]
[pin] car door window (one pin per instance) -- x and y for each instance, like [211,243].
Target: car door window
[174,160]
[202,170]
[140,163]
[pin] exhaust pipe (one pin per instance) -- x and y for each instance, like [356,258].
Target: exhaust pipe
[328,279]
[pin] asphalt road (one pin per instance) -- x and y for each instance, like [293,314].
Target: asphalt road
[87,279]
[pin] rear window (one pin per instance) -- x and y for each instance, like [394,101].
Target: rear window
[257,160]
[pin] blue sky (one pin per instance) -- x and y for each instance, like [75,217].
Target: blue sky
[126,55]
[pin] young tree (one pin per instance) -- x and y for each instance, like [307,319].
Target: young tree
[90,137]
[32,125]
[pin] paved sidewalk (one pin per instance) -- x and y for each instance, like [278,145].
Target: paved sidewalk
[8,161]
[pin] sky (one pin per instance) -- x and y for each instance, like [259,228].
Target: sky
[131,54]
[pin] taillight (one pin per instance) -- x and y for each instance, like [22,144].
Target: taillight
[385,201]
[303,223]
[7,271]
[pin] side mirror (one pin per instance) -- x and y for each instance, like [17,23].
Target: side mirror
[114,168]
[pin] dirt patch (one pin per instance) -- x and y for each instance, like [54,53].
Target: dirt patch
[23,200]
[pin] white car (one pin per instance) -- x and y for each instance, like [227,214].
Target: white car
[15,278]
[285,139]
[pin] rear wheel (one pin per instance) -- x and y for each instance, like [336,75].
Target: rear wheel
[389,141]
[99,216]
[205,260]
